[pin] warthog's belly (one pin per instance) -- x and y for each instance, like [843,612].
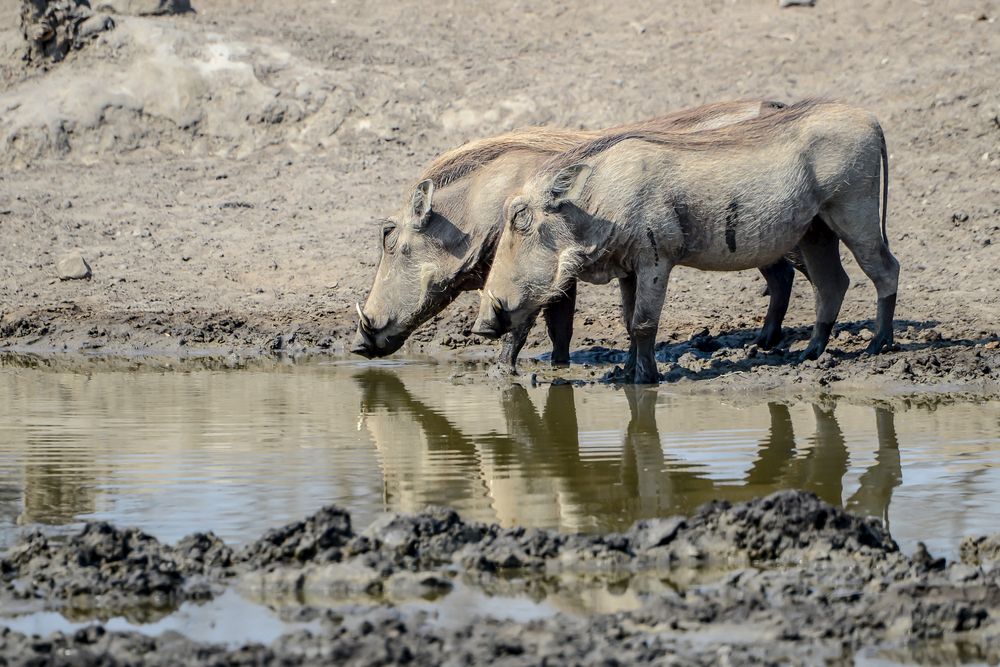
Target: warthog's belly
[746,238]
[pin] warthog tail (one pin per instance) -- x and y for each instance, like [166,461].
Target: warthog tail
[885,180]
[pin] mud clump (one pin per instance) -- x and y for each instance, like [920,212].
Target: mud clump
[785,578]
[318,539]
[788,524]
[104,567]
[981,551]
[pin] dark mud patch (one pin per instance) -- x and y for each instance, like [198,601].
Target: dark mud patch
[786,578]
[107,570]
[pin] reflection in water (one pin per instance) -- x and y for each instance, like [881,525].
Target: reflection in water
[56,489]
[237,452]
[537,474]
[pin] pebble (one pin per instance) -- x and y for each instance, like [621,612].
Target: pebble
[73,267]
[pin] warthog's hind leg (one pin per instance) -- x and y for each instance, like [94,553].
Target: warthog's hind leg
[559,323]
[861,233]
[779,277]
[821,253]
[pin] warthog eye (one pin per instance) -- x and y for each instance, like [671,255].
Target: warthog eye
[388,235]
[520,218]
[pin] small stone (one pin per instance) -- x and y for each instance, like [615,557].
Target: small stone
[796,3]
[73,267]
[959,216]
[97,23]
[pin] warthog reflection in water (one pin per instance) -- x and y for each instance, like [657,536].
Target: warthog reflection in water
[538,474]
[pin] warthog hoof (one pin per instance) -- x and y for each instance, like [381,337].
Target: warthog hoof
[879,344]
[768,338]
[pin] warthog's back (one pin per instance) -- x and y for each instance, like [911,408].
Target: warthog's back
[732,197]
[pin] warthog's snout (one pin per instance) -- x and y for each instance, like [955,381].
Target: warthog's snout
[371,341]
[363,344]
[493,320]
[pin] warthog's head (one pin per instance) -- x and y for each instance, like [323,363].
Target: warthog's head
[422,253]
[538,252]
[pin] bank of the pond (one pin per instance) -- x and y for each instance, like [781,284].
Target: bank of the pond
[785,578]
[702,363]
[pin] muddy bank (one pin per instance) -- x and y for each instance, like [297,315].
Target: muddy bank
[243,221]
[783,578]
[702,362]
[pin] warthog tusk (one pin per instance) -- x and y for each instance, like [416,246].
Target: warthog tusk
[494,300]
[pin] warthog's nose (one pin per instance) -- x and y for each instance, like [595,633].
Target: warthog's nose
[493,320]
[364,339]
[363,345]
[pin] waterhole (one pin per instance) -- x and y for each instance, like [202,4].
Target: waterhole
[240,451]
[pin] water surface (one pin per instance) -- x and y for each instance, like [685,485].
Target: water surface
[240,451]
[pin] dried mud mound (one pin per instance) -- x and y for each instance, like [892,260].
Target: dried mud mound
[170,85]
[789,579]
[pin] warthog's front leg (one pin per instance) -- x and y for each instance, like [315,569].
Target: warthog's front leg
[559,323]
[650,292]
[626,286]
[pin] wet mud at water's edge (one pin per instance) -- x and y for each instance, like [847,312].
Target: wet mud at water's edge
[787,577]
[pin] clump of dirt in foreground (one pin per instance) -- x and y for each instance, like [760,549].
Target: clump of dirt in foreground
[786,578]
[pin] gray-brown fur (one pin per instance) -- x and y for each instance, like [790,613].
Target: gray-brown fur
[749,193]
[449,248]
[460,162]
[747,132]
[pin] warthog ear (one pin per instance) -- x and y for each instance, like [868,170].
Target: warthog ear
[422,202]
[568,184]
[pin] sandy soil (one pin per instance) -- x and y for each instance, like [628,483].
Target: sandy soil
[221,171]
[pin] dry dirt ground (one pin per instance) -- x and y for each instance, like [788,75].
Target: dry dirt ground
[222,171]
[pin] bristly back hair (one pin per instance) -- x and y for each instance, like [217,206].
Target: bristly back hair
[658,132]
[462,161]
[467,158]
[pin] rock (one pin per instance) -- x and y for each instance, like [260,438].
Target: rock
[143,7]
[88,28]
[73,267]
[653,533]
[796,3]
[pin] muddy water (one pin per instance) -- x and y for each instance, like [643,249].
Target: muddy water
[237,452]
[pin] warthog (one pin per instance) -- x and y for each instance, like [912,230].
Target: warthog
[443,241]
[633,205]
